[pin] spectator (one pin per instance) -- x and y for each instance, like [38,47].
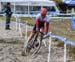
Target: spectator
[8,13]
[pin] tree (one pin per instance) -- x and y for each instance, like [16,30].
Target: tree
[57,1]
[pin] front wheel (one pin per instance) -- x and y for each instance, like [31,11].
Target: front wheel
[36,44]
[26,50]
[32,49]
[33,46]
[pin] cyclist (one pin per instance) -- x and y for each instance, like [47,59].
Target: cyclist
[41,24]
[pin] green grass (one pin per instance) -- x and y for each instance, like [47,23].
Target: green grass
[23,19]
[62,28]
[4,18]
[29,20]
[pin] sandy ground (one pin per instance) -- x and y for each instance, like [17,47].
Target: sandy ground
[11,46]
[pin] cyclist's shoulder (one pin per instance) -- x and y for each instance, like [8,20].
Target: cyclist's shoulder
[47,18]
[38,15]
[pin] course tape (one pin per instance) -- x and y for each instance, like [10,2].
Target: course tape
[68,42]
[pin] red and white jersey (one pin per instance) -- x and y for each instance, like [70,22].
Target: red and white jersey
[42,21]
[46,19]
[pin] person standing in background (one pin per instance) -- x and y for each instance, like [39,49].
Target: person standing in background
[8,13]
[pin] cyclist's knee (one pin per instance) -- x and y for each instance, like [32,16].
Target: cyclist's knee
[32,34]
[42,30]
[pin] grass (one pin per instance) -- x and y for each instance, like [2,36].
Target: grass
[62,28]
[30,21]
[3,18]
[23,19]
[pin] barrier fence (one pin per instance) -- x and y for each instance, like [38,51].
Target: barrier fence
[66,42]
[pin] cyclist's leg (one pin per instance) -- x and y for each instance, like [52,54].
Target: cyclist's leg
[30,42]
[36,42]
[41,30]
[35,39]
[27,49]
[36,35]
[41,34]
[31,36]
[32,33]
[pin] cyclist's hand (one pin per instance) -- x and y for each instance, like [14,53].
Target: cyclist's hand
[44,33]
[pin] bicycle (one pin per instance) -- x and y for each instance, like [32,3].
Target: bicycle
[33,45]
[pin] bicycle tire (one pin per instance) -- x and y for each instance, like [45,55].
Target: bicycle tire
[33,50]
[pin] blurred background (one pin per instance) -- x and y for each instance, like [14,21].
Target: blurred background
[33,6]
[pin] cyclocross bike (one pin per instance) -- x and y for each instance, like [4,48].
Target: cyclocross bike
[33,45]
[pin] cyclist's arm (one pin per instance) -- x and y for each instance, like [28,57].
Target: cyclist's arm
[47,27]
[37,23]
